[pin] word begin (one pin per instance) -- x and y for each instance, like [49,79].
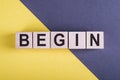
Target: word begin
[61,39]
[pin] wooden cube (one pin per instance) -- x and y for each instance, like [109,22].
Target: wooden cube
[59,39]
[95,40]
[41,39]
[77,40]
[24,40]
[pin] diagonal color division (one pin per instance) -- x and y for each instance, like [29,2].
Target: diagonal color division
[33,64]
[86,15]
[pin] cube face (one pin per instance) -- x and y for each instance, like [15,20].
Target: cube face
[24,40]
[59,39]
[95,40]
[41,40]
[77,40]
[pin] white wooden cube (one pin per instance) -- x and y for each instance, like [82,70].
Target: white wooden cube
[95,40]
[41,40]
[77,40]
[24,40]
[59,39]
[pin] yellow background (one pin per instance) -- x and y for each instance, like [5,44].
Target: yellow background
[33,64]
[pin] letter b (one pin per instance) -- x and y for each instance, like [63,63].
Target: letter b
[24,40]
